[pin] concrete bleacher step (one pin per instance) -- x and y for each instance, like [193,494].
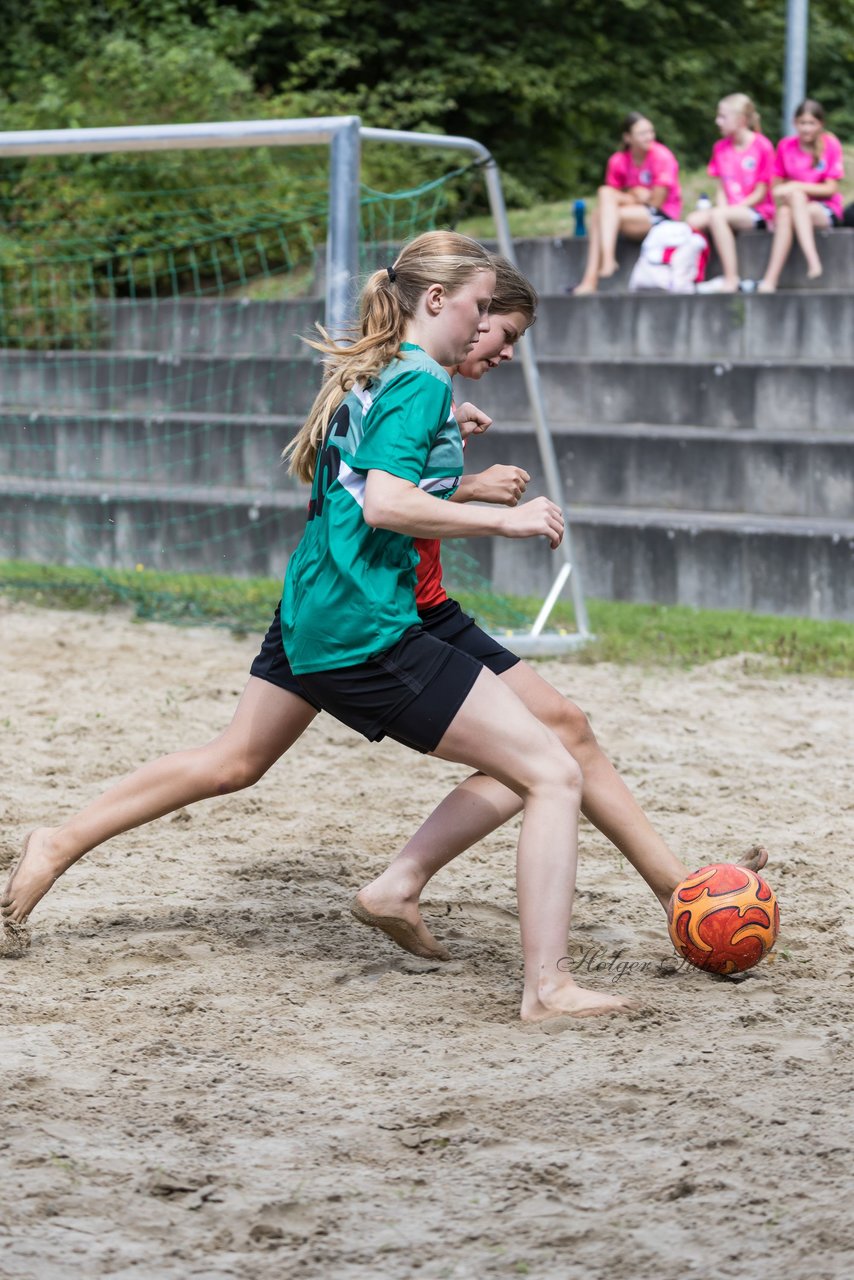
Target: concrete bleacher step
[149,384]
[213,326]
[644,465]
[800,567]
[813,325]
[655,326]
[783,394]
[767,395]
[240,533]
[189,449]
[553,265]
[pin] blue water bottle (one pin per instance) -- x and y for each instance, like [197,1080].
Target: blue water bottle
[578,210]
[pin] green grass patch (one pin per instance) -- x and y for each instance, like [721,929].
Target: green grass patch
[647,634]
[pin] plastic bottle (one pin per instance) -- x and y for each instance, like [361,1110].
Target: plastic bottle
[579,210]
[704,202]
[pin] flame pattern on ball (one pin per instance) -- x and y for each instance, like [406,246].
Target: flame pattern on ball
[723,918]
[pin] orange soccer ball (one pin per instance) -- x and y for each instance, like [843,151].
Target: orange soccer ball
[723,918]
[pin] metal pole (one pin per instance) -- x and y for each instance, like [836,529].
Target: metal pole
[342,239]
[173,137]
[795,86]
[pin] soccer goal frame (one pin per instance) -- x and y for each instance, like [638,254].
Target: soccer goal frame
[344,136]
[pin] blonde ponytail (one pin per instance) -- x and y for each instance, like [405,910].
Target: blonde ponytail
[388,302]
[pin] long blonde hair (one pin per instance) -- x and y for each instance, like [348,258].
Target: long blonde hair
[388,302]
[743,106]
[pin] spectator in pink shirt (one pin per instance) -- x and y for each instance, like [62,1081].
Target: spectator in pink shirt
[807,172]
[743,164]
[641,189]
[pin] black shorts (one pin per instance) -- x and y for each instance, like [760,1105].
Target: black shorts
[447,622]
[272,664]
[411,692]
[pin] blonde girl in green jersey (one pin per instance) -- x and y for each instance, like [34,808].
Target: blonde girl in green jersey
[380,454]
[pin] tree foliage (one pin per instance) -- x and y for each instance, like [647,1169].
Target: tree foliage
[543,86]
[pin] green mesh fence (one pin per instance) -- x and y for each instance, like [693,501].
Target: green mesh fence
[152,368]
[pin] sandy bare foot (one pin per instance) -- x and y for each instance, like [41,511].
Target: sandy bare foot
[412,935]
[30,878]
[754,859]
[571,1001]
[15,939]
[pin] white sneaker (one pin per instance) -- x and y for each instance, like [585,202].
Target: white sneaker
[715,285]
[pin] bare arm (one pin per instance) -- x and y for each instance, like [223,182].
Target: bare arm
[652,196]
[756,196]
[471,420]
[817,190]
[498,483]
[398,505]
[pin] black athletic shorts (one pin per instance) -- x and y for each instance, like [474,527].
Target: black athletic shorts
[410,692]
[272,664]
[445,621]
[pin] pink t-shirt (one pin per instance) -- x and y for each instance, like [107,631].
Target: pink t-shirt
[740,170]
[801,166]
[659,168]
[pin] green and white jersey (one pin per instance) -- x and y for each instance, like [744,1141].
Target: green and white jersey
[349,589]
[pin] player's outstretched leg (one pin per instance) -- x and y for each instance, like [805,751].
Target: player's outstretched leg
[480,804]
[267,721]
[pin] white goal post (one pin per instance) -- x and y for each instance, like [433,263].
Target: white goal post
[344,135]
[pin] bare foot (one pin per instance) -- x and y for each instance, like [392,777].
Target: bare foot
[30,878]
[400,921]
[762,287]
[754,859]
[583,289]
[566,1000]
[814,273]
[608,269]
[27,882]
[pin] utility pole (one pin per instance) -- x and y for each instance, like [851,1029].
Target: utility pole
[795,86]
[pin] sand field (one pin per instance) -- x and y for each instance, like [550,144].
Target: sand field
[209,1070]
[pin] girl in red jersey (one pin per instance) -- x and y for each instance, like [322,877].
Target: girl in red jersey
[641,189]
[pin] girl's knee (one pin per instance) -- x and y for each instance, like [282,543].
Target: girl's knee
[559,769]
[573,728]
[229,771]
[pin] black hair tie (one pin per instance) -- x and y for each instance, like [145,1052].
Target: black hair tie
[392,274]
